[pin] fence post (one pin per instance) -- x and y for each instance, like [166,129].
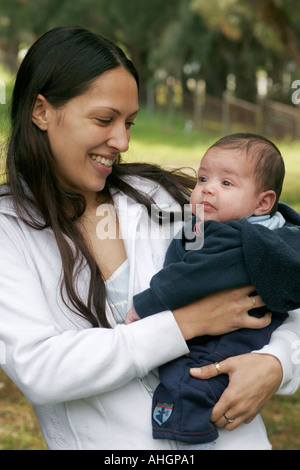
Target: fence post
[150,100]
[199,101]
[297,125]
[2,92]
[259,118]
[226,113]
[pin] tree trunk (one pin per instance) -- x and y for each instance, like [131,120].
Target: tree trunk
[9,53]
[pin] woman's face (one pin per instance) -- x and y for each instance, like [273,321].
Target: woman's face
[88,133]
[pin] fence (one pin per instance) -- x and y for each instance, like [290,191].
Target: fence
[269,118]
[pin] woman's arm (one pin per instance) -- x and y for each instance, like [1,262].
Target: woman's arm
[220,313]
[51,362]
[215,314]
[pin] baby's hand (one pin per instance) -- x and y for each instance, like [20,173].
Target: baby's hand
[131,316]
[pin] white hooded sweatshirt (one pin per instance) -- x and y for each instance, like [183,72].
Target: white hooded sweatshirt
[91,387]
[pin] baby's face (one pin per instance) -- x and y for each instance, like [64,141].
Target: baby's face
[225,187]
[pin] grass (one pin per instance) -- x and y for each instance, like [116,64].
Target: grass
[162,139]
[281,417]
[19,429]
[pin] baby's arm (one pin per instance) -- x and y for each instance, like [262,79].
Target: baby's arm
[131,316]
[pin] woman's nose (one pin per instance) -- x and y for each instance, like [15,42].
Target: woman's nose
[119,138]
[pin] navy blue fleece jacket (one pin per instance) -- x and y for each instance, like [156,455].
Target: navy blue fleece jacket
[236,253]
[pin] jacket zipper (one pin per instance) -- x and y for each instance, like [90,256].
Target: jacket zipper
[145,384]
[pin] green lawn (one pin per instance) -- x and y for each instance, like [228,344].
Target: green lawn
[19,429]
[164,140]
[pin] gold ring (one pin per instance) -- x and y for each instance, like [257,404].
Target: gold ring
[217,366]
[253,300]
[228,419]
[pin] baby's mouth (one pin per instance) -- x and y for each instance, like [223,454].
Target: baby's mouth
[207,205]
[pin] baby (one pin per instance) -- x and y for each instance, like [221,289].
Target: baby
[247,240]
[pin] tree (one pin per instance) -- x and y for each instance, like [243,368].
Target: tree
[136,25]
[278,18]
[255,35]
[24,20]
[222,37]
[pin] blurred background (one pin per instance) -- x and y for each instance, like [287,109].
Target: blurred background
[207,68]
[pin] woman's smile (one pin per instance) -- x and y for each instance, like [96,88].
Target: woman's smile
[107,162]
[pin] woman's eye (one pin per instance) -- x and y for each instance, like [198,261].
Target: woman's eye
[104,121]
[130,124]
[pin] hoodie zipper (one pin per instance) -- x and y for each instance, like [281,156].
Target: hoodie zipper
[146,386]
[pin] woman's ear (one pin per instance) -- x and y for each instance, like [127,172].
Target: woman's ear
[40,114]
[266,201]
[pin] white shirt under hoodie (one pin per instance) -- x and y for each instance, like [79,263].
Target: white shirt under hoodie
[91,387]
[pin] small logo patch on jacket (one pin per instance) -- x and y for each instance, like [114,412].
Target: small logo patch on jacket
[162,412]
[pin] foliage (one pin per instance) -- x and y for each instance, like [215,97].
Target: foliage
[227,37]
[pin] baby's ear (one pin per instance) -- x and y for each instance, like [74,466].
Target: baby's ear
[266,201]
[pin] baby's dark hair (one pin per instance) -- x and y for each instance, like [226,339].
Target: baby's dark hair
[269,169]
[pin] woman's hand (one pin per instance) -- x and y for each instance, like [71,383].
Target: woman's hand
[253,380]
[220,313]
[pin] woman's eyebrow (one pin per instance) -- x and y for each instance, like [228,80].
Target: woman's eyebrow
[96,108]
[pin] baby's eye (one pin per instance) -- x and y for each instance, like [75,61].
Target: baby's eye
[202,179]
[227,183]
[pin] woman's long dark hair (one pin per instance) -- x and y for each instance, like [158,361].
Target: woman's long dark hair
[61,65]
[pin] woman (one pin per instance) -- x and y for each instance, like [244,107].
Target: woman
[88,375]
